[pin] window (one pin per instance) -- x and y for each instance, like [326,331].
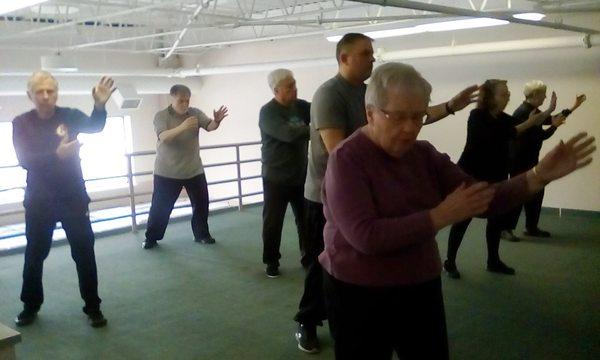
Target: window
[103,154]
[12,176]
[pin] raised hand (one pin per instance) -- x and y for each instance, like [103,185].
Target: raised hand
[579,99]
[219,115]
[102,91]
[552,105]
[63,132]
[464,98]
[566,158]
[66,148]
[463,203]
[191,123]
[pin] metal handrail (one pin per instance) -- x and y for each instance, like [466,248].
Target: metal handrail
[130,176]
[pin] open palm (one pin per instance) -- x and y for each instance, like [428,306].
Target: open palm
[567,157]
[103,90]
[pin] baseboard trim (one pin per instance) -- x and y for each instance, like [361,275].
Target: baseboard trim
[571,212]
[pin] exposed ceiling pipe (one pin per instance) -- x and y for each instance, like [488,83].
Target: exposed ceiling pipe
[408,4]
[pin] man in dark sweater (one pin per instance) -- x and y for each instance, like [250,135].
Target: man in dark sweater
[45,140]
[284,131]
[524,151]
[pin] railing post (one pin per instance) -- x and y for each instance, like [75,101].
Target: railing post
[239,176]
[131,192]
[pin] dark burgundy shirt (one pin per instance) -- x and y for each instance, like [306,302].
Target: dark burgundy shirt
[379,230]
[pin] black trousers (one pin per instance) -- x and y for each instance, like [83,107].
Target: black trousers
[166,192]
[311,310]
[533,208]
[40,222]
[276,199]
[373,322]
[494,226]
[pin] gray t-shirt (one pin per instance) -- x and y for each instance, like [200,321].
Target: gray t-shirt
[339,105]
[179,159]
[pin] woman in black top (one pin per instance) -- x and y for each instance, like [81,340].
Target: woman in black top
[524,153]
[485,157]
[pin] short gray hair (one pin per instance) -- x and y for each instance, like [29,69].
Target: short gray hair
[277,76]
[392,75]
[533,87]
[38,76]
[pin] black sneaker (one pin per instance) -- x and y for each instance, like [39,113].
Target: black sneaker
[451,269]
[207,240]
[26,317]
[306,336]
[273,271]
[510,236]
[149,244]
[95,318]
[500,268]
[536,233]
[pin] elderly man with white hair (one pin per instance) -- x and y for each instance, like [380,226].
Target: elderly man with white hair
[525,151]
[385,197]
[284,132]
[45,140]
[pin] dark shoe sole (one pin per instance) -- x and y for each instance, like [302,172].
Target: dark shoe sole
[206,241]
[26,321]
[149,245]
[308,351]
[454,274]
[97,324]
[273,276]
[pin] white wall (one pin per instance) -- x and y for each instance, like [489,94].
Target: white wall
[568,71]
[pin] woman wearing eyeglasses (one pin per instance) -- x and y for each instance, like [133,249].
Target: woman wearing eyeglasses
[385,196]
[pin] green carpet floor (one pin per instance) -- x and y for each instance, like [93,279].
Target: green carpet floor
[190,301]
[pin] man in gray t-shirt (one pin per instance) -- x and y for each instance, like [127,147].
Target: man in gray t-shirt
[338,109]
[178,165]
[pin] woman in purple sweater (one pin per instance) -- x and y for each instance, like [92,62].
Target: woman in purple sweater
[385,196]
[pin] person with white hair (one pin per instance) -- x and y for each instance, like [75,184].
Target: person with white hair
[284,132]
[45,141]
[524,153]
[338,110]
[485,157]
[386,195]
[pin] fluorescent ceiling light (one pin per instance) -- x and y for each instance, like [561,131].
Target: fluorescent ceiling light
[7,6]
[461,24]
[530,16]
[431,27]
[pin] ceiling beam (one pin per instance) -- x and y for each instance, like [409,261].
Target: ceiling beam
[415,5]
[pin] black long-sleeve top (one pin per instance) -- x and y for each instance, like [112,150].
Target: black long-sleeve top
[285,133]
[485,156]
[525,148]
[50,179]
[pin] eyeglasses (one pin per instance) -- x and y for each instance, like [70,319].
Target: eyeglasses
[401,116]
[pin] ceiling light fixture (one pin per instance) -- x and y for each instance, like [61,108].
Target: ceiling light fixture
[431,27]
[59,63]
[530,16]
[10,6]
